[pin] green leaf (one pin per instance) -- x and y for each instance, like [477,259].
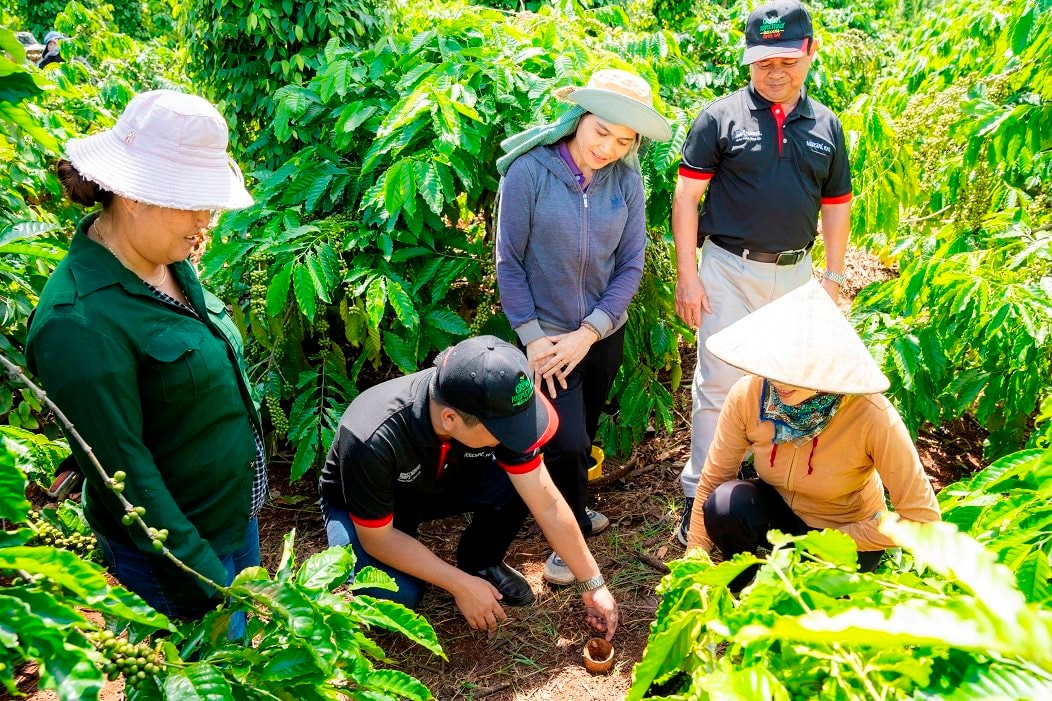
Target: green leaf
[403,306]
[323,569]
[289,664]
[447,321]
[400,351]
[200,681]
[395,617]
[306,455]
[376,301]
[278,290]
[399,683]
[303,286]
[13,503]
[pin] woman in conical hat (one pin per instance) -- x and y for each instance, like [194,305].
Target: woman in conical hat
[826,442]
[571,231]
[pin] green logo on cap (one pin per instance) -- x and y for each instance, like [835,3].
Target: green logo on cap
[771,28]
[523,391]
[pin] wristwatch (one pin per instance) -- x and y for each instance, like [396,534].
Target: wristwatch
[838,278]
[591,584]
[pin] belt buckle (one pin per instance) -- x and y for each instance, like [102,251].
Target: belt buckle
[790,257]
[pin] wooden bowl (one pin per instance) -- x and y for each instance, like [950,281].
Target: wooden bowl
[598,655]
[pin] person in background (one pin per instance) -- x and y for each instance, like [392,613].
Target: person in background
[766,160]
[461,437]
[52,49]
[826,442]
[571,233]
[145,362]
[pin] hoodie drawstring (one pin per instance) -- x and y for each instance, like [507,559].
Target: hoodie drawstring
[810,467]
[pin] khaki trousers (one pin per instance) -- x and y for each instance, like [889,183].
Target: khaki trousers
[735,287]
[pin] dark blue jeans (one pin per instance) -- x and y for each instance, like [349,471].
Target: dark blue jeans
[497,515]
[170,590]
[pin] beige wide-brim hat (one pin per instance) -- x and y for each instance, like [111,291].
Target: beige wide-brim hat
[167,149]
[801,339]
[622,98]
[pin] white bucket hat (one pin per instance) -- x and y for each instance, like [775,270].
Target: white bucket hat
[167,149]
[622,98]
[801,339]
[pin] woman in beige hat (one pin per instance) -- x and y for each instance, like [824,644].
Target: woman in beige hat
[570,237]
[826,442]
[145,362]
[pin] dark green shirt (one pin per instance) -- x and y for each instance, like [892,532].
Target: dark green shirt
[156,392]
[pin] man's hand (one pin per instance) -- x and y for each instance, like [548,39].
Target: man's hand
[691,299]
[832,289]
[601,611]
[478,601]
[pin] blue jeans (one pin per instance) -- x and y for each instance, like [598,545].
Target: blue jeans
[485,492]
[170,590]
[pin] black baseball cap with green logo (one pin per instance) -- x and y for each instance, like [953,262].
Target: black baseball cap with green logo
[491,379]
[779,29]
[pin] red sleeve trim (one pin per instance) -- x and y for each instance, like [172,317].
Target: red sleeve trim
[522,468]
[837,200]
[553,423]
[688,172]
[371,522]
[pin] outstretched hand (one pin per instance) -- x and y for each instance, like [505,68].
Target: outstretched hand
[479,604]
[601,611]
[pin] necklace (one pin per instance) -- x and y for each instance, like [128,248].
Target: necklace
[98,234]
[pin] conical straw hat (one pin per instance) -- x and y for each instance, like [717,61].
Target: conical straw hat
[801,339]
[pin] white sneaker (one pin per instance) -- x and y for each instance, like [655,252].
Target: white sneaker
[556,572]
[599,522]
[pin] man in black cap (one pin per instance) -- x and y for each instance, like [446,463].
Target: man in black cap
[766,159]
[461,437]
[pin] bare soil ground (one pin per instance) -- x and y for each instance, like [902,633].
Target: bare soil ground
[537,653]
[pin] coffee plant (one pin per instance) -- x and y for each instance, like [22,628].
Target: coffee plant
[307,639]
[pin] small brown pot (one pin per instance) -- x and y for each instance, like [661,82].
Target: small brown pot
[598,656]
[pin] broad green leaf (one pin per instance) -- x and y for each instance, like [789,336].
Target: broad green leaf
[400,351]
[400,683]
[402,305]
[663,653]
[955,555]
[306,455]
[369,577]
[288,664]
[323,569]
[376,301]
[447,321]
[278,290]
[395,617]
[303,287]
[13,503]
[200,681]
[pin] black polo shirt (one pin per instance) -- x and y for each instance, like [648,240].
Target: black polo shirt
[769,173]
[386,453]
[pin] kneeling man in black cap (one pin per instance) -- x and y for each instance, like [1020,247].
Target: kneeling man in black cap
[461,437]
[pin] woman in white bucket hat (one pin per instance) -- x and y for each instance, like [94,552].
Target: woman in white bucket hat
[145,362]
[826,442]
[571,232]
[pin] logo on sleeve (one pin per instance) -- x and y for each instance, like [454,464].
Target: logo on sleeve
[819,147]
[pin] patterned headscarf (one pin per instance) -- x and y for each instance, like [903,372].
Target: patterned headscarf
[797,424]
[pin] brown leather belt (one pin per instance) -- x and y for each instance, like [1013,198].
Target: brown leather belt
[782,258]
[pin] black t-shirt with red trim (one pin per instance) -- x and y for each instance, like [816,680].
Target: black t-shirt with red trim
[769,173]
[386,452]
